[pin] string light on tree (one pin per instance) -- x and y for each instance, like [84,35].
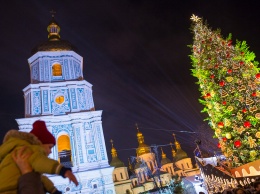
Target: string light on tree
[228,70]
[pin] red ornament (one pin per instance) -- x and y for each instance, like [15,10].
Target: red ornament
[229,71]
[224,139]
[220,124]
[224,102]
[237,143]
[219,146]
[244,110]
[229,42]
[207,95]
[212,76]
[247,124]
[257,76]
[221,83]
[254,94]
[241,62]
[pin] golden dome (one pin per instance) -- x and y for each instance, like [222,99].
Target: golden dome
[116,162]
[180,154]
[54,43]
[164,160]
[142,147]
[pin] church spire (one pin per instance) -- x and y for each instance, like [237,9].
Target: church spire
[142,148]
[113,150]
[180,154]
[53,28]
[173,151]
[163,154]
[116,162]
[177,144]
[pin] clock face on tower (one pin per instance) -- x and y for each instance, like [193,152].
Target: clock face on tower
[59,99]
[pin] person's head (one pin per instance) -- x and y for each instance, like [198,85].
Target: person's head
[240,191]
[42,133]
[257,185]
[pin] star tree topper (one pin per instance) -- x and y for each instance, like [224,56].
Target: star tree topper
[195,18]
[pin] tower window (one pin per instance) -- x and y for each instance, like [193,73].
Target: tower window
[56,69]
[64,150]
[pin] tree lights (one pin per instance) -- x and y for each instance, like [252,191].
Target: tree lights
[231,74]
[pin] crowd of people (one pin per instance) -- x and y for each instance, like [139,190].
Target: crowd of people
[253,188]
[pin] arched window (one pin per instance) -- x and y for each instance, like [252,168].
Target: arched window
[64,150]
[56,69]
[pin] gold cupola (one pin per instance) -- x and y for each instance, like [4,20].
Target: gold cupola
[173,151]
[54,42]
[53,30]
[164,160]
[142,147]
[116,162]
[180,154]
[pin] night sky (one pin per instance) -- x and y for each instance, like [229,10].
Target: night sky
[135,55]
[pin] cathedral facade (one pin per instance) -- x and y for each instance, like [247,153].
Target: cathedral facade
[60,96]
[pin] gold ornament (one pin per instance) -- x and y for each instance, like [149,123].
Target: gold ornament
[239,116]
[257,135]
[252,85]
[227,122]
[240,130]
[228,135]
[223,93]
[253,109]
[257,115]
[241,88]
[229,79]
[251,142]
[249,101]
[253,153]
[230,108]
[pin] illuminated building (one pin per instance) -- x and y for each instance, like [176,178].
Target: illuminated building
[60,96]
[148,173]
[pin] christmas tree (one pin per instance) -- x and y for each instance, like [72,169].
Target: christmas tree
[229,81]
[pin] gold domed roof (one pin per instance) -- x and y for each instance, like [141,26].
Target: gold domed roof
[116,162]
[164,160]
[180,154]
[142,147]
[54,43]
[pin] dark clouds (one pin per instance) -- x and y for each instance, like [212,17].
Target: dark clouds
[135,55]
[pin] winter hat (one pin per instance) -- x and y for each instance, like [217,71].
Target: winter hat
[42,133]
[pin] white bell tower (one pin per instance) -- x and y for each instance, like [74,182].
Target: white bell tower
[60,96]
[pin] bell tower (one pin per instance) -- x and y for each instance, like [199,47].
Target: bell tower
[60,96]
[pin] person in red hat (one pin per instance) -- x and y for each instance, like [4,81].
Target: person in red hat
[38,143]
